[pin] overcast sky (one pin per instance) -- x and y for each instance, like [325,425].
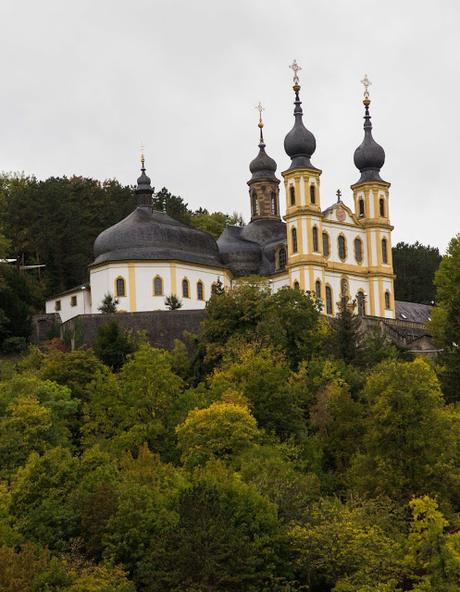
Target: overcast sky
[85,82]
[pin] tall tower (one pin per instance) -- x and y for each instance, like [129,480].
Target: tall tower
[371,197]
[263,185]
[303,208]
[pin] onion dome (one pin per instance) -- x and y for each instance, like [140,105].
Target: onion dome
[299,143]
[369,157]
[144,189]
[147,234]
[263,166]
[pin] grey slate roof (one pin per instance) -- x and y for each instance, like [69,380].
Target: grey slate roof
[412,311]
[147,234]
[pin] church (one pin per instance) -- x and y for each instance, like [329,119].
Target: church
[334,252]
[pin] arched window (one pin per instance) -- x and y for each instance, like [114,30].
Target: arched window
[361,208]
[294,240]
[185,288]
[361,303]
[120,287]
[382,207]
[255,204]
[358,250]
[329,309]
[326,246]
[274,204]
[344,288]
[318,289]
[314,234]
[296,285]
[387,300]
[282,258]
[384,250]
[158,286]
[312,194]
[342,246]
[292,195]
[199,290]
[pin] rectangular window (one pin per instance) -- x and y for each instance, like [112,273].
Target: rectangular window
[73,301]
[57,305]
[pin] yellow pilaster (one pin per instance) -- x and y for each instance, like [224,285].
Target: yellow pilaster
[173,279]
[132,287]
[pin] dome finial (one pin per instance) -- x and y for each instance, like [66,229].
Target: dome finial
[369,156]
[261,123]
[144,189]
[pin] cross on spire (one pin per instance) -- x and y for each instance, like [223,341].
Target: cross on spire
[260,109]
[339,195]
[295,68]
[366,83]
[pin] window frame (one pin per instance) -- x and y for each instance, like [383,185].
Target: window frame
[282,251]
[329,300]
[318,289]
[382,208]
[313,194]
[296,285]
[57,306]
[361,208]
[327,251]
[345,250]
[161,293]
[199,285]
[384,247]
[387,300]
[118,279]
[315,239]
[73,300]
[292,195]
[185,282]
[359,241]
[294,241]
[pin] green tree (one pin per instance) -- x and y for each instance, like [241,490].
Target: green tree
[223,540]
[221,431]
[215,222]
[173,302]
[173,205]
[109,304]
[446,319]
[112,345]
[345,337]
[410,440]
[433,554]
[415,266]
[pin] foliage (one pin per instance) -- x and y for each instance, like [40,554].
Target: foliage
[112,345]
[173,302]
[109,304]
[215,222]
[415,266]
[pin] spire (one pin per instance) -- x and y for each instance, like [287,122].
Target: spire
[299,143]
[263,166]
[144,189]
[369,157]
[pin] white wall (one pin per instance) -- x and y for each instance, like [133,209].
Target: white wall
[83,305]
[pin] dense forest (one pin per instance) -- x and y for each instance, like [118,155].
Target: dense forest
[286,454]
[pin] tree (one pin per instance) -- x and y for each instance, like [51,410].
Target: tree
[215,222]
[109,304]
[221,431]
[224,539]
[410,437]
[112,345]
[415,266]
[446,319]
[345,337]
[173,302]
[173,205]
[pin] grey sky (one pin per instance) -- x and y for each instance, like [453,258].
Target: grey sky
[85,82]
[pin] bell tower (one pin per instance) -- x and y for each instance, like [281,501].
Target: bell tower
[303,203]
[371,198]
[263,185]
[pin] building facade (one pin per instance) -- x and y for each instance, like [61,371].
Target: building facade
[337,252]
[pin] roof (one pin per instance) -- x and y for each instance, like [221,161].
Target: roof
[77,289]
[413,311]
[147,234]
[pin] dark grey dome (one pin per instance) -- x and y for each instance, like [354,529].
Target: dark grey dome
[369,157]
[263,166]
[152,235]
[299,143]
[243,257]
[263,232]
[143,182]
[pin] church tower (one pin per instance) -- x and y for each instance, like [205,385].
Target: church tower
[263,185]
[303,205]
[371,199]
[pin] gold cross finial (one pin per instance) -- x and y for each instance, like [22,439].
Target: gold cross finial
[260,109]
[142,157]
[295,68]
[339,195]
[366,83]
